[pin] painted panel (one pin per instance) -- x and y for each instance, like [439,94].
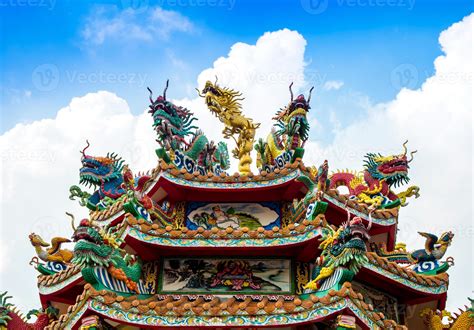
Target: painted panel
[235,215]
[221,276]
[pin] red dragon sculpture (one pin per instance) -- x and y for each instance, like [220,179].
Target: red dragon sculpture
[11,318]
[374,185]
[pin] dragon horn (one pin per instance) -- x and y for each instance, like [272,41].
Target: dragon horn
[215,83]
[369,226]
[347,210]
[166,88]
[72,220]
[199,93]
[291,91]
[84,150]
[309,96]
[411,155]
[151,94]
[405,148]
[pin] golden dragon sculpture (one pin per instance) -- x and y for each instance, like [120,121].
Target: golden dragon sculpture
[224,103]
[462,321]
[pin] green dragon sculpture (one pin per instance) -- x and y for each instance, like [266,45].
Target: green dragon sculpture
[105,175]
[344,249]
[289,133]
[374,185]
[96,248]
[182,142]
[11,318]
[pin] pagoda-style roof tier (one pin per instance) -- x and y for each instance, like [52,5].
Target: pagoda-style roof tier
[210,311]
[401,282]
[281,184]
[297,239]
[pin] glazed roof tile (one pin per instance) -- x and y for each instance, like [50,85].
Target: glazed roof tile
[50,280]
[213,307]
[409,274]
[216,233]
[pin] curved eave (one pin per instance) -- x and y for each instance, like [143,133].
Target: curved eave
[275,187]
[403,283]
[178,186]
[382,218]
[300,240]
[61,289]
[178,311]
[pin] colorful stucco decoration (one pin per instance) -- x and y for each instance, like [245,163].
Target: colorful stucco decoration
[381,174]
[288,136]
[343,254]
[96,248]
[188,245]
[426,260]
[12,318]
[438,320]
[224,103]
[104,174]
[182,142]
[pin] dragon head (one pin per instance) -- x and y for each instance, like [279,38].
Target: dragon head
[90,249]
[172,123]
[292,121]
[96,170]
[393,168]
[221,100]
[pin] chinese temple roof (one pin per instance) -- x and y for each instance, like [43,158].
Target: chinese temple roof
[213,311]
[188,244]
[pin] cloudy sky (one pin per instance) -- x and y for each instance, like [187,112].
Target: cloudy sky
[384,72]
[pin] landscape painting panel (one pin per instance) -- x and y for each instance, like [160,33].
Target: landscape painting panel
[234,215]
[226,275]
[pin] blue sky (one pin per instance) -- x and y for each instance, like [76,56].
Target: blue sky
[45,59]
[360,54]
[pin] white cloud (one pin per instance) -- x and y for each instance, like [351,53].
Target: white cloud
[41,159]
[262,77]
[333,85]
[437,120]
[109,23]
